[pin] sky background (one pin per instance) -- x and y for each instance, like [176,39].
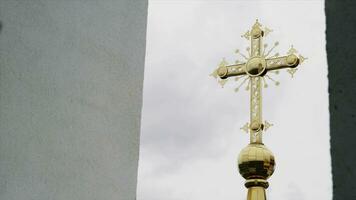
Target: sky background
[190,131]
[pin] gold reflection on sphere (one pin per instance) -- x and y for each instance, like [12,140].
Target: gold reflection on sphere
[256,162]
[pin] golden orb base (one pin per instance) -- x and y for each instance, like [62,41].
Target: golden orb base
[256,164]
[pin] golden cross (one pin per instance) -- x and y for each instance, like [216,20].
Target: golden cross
[256,69]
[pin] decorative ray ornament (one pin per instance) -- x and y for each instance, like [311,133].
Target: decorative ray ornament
[256,163]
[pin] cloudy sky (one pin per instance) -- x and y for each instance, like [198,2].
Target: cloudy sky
[190,132]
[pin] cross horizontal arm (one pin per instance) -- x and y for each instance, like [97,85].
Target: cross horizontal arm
[290,61]
[231,70]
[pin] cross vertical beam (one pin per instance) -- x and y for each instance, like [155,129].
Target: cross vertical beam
[255,88]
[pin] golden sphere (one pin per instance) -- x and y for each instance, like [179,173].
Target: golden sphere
[255,126]
[222,71]
[256,162]
[256,32]
[255,66]
[292,60]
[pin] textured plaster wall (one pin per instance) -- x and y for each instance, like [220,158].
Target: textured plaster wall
[341,41]
[71,75]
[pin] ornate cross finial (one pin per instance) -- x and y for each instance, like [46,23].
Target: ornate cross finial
[256,69]
[256,162]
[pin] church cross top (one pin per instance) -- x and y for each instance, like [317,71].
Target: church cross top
[256,68]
